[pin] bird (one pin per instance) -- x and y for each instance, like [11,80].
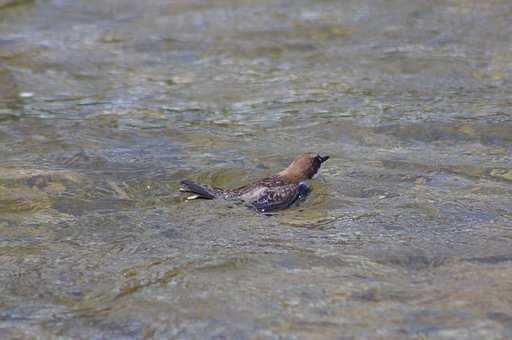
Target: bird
[275,192]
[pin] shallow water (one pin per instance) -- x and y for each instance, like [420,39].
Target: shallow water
[106,105]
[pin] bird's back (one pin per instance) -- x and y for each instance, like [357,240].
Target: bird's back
[269,193]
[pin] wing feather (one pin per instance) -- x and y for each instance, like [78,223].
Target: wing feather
[277,197]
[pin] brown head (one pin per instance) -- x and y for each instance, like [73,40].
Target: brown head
[303,167]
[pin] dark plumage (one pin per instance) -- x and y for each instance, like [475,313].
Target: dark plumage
[271,193]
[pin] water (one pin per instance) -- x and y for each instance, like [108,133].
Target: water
[106,105]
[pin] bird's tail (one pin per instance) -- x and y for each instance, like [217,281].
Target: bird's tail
[201,191]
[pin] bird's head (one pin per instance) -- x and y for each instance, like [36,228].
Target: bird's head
[303,167]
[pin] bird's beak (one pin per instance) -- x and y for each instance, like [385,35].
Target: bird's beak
[323,158]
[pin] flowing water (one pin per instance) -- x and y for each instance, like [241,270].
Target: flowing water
[106,105]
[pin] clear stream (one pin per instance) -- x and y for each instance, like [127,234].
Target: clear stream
[106,105]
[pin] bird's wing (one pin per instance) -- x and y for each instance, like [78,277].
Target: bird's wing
[276,197]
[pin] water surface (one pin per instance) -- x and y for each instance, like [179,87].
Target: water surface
[106,105]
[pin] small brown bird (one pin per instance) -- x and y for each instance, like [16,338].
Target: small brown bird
[278,191]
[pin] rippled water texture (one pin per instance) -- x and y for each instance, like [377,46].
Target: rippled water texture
[106,105]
